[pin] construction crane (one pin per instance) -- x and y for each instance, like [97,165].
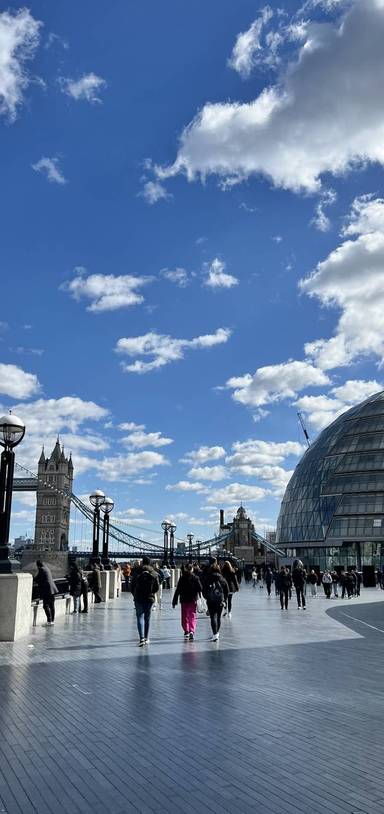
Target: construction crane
[303,427]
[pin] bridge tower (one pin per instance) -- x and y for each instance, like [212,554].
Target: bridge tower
[52,504]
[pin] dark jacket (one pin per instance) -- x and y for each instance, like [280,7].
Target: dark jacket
[145,584]
[231,580]
[210,579]
[312,579]
[298,577]
[74,581]
[283,581]
[187,590]
[47,587]
[95,579]
[268,576]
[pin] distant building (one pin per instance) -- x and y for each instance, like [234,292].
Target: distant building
[22,542]
[55,477]
[241,542]
[270,537]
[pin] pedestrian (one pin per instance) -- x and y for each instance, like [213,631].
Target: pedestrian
[74,580]
[215,591]
[117,570]
[47,591]
[358,582]
[312,579]
[84,592]
[298,579]
[284,583]
[229,575]
[254,577]
[335,582]
[268,580]
[166,577]
[159,594]
[327,584]
[188,590]
[145,585]
[95,583]
[127,575]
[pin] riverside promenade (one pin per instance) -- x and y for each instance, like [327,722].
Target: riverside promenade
[285,714]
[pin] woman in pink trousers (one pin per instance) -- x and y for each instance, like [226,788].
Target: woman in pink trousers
[188,590]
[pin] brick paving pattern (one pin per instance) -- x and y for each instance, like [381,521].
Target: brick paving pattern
[286,714]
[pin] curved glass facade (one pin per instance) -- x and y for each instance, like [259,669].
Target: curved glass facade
[336,494]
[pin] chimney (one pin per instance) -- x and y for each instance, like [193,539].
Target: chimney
[221,518]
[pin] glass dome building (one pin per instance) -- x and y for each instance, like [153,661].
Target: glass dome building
[332,512]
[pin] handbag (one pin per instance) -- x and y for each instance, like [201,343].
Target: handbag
[201,605]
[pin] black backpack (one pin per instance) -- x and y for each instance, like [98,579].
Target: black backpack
[215,595]
[144,586]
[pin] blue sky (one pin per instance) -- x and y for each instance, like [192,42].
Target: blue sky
[205,172]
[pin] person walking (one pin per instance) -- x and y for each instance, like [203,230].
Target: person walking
[298,579]
[215,592]
[117,570]
[84,592]
[47,591]
[254,577]
[229,575]
[166,577]
[357,578]
[312,579]
[127,576]
[74,580]
[95,583]
[284,584]
[268,580]
[188,590]
[327,584]
[335,582]
[145,585]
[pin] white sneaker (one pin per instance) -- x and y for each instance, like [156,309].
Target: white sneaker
[147,641]
[230,616]
[215,638]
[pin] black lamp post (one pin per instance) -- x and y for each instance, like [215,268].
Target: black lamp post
[166,528]
[198,542]
[96,499]
[106,507]
[190,538]
[172,545]
[12,431]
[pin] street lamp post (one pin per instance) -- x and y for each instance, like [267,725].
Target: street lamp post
[166,528]
[12,431]
[96,499]
[198,543]
[172,545]
[106,507]
[190,538]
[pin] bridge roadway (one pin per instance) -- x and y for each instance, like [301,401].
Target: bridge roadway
[286,714]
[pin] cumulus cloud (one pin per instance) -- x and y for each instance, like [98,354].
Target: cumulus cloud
[185,486]
[351,279]
[138,438]
[322,410]
[203,454]
[123,467]
[275,382]
[236,493]
[254,452]
[154,191]
[248,47]
[164,349]
[87,87]
[217,276]
[16,383]
[321,221]
[211,473]
[178,275]
[51,169]
[324,115]
[19,39]
[106,292]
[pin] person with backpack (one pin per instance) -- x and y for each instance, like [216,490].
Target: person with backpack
[95,583]
[327,584]
[188,590]
[298,579]
[74,581]
[47,591]
[284,584]
[145,585]
[229,575]
[268,579]
[216,593]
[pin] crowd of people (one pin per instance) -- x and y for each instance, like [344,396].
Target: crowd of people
[208,589]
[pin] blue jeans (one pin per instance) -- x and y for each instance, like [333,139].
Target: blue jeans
[143,615]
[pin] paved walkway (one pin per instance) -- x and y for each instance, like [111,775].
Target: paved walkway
[284,716]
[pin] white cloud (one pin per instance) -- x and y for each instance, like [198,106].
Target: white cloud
[236,493]
[154,191]
[106,291]
[138,439]
[185,486]
[212,473]
[258,453]
[322,410]
[245,53]
[164,349]
[50,167]
[19,38]
[177,275]
[351,278]
[275,382]
[321,220]
[324,115]
[203,454]
[259,414]
[16,383]
[217,277]
[123,467]
[87,87]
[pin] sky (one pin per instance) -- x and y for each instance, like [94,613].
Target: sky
[191,244]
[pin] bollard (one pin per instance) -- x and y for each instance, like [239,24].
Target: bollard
[104,592]
[112,585]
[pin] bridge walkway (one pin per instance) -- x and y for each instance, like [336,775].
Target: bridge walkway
[285,714]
